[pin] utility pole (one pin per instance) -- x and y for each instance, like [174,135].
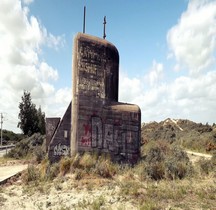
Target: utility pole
[1,126]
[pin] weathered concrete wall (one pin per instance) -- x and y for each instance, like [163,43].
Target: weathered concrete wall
[51,126]
[60,143]
[100,122]
[95,121]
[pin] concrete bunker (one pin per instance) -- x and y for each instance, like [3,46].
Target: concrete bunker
[95,121]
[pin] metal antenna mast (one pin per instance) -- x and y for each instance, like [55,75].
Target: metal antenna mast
[84,17]
[104,31]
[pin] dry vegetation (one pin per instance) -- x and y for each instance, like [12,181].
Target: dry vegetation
[190,135]
[164,179]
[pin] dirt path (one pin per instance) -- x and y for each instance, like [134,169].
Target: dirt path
[8,171]
[196,156]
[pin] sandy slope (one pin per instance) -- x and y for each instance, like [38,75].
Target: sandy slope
[93,193]
[90,192]
[65,194]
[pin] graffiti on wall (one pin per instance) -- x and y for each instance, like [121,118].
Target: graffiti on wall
[110,137]
[86,138]
[61,149]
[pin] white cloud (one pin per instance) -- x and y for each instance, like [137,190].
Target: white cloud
[192,43]
[21,39]
[47,72]
[63,94]
[55,41]
[27,1]
[193,40]
[185,97]
[156,73]
[129,88]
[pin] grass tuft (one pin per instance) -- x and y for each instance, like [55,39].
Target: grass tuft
[65,165]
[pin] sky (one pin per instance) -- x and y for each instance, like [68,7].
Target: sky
[167,54]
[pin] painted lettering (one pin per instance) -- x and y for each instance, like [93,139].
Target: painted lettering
[109,137]
[86,138]
[61,150]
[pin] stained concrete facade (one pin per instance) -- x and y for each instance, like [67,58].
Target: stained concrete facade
[60,132]
[95,120]
[51,126]
[100,122]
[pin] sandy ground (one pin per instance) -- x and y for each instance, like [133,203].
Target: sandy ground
[64,195]
[93,193]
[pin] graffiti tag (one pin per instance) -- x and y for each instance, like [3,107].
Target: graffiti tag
[110,137]
[61,149]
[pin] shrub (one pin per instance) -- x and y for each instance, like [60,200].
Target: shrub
[177,164]
[179,154]
[155,170]
[31,174]
[27,147]
[39,154]
[175,169]
[165,161]
[154,161]
[20,150]
[207,166]
[155,155]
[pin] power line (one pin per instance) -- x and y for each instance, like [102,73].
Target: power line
[10,118]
